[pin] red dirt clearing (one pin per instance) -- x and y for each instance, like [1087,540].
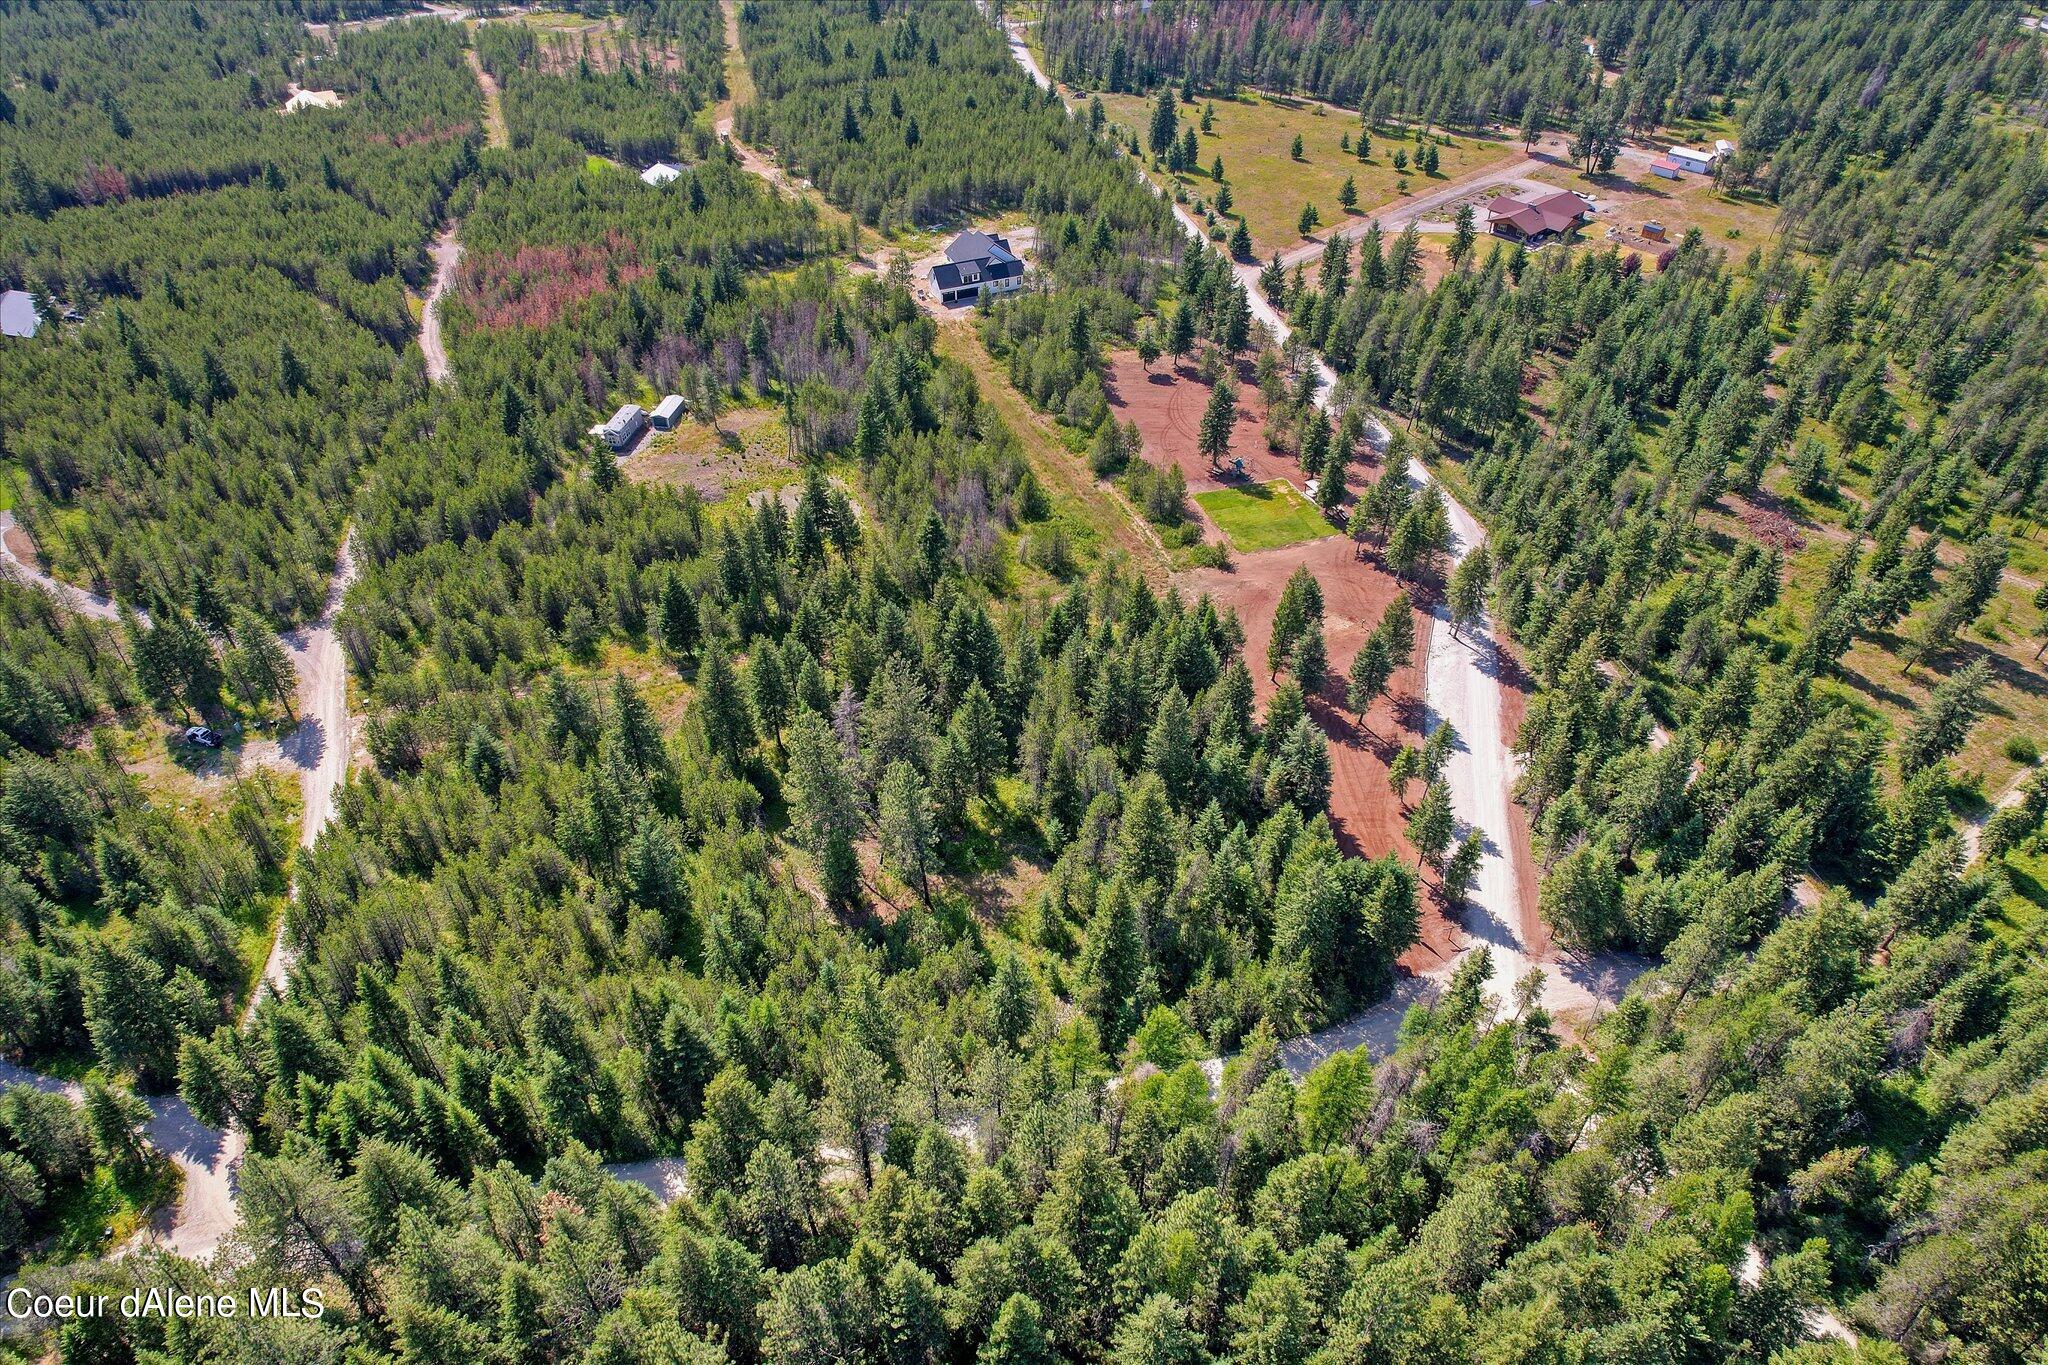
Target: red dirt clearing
[1167,406]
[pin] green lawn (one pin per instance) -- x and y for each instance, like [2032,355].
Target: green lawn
[1264,516]
[1254,134]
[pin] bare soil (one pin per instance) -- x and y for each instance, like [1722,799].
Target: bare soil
[1167,405]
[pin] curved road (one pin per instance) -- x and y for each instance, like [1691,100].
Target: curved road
[98,606]
[1462,686]
[208,1157]
[446,251]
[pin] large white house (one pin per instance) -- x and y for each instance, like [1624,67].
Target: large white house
[976,261]
[625,424]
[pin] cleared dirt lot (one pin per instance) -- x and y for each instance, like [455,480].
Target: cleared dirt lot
[1167,406]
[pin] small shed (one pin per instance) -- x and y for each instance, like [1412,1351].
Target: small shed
[1667,168]
[667,412]
[18,316]
[1653,230]
[625,424]
[661,173]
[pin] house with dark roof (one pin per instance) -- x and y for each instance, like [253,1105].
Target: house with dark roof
[1536,219]
[976,261]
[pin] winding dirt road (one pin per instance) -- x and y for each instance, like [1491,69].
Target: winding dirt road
[319,748]
[1463,687]
[18,553]
[209,1158]
[446,253]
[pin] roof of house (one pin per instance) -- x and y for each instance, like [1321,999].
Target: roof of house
[1691,154]
[18,314]
[1665,163]
[626,417]
[661,172]
[1557,211]
[979,255]
[977,246]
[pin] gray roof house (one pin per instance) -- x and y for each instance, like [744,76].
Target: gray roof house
[974,261]
[18,316]
[625,424]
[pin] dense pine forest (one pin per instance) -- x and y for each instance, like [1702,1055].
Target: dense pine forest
[812,832]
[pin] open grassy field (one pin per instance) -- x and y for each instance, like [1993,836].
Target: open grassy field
[1253,135]
[1263,516]
[748,450]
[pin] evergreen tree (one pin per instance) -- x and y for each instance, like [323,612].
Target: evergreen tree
[721,711]
[1018,1336]
[259,663]
[1165,120]
[1469,583]
[1218,419]
[1430,824]
[1946,720]
[1371,669]
[1309,661]
[768,691]
[903,823]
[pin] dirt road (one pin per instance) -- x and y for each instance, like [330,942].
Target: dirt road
[1462,687]
[1397,214]
[496,134]
[319,748]
[18,552]
[1973,828]
[446,253]
[207,1158]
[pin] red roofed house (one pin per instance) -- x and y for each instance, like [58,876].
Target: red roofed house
[1535,220]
